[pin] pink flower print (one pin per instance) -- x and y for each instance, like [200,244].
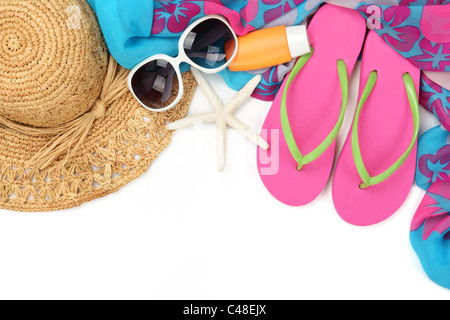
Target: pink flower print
[272,14]
[435,23]
[435,57]
[250,11]
[392,25]
[176,17]
[436,167]
[436,100]
[238,19]
[400,36]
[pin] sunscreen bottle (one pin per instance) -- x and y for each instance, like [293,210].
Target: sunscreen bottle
[268,47]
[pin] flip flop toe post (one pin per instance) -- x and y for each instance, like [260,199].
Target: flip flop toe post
[306,116]
[375,171]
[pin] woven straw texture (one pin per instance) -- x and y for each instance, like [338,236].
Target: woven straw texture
[53,66]
[120,147]
[52,61]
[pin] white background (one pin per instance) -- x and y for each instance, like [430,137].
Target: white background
[186,231]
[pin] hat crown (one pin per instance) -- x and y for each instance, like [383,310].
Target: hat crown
[53,61]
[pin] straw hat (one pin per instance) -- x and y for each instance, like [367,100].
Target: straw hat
[70,131]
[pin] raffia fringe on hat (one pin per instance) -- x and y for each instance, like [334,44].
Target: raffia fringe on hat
[71,135]
[116,150]
[70,130]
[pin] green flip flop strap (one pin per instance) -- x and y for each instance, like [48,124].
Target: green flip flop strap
[414,103]
[289,136]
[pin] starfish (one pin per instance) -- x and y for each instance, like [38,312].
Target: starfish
[222,116]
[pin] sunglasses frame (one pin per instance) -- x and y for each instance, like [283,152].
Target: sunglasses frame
[183,58]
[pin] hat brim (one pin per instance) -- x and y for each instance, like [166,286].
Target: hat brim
[119,148]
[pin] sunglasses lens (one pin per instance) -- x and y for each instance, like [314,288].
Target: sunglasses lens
[155,84]
[205,44]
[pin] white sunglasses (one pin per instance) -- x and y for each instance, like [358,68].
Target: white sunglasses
[202,45]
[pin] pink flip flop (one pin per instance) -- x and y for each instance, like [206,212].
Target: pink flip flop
[306,116]
[375,171]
